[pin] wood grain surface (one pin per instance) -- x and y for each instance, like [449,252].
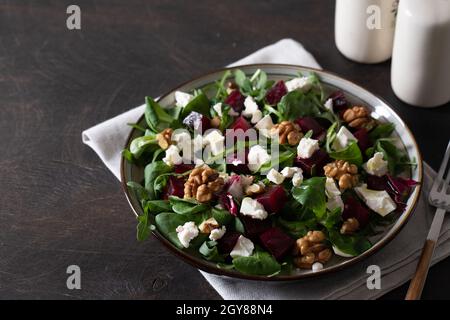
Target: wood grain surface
[58,204]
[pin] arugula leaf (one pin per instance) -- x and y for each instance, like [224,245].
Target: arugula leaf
[143,228]
[151,172]
[156,117]
[297,228]
[221,87]
[242,81]
[395,157]
[157,206]
[238,225]
[260,263]
[185,206]
[226,120]
[297,104]
[351,244]
[141,193]
[331,135]
[331,218]
[223,217]
[383,130]
[311,194]
[199,103]
[210,252]
[351,153]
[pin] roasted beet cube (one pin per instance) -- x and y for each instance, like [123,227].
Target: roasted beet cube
[273,199]
[275,93]
[340,102]
[226,244]
[182,168]
[197,122]
[309,123]
[237,162]
[174,187]
[240,123]
[355,209]
[276,242]
[314,165]
[363,139]
[254,227]
[377,183]
[235,100]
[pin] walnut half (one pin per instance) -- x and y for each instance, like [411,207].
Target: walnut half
[310,249]
[288,132]
[358,117]
[202,183]
[344,172]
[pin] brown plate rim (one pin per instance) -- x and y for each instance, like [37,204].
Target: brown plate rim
[196,262]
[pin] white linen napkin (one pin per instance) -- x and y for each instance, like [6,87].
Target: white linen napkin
[397,260]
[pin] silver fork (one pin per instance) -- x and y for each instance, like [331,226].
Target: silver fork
[440,198]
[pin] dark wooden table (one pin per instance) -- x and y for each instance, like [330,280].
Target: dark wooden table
[59,205]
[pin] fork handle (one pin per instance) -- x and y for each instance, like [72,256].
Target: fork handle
[418,281]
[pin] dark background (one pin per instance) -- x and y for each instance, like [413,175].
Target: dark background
[59,205]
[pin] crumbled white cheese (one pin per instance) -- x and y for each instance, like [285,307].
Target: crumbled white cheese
[215,140]
[183,98]
[340,253]
[182,138]
[243,248]
[275,177]
[186,233]
[252,208]
[172,156]
[256,117]
[331,189]
[217,233]
[307,147]
[317,267]
[264,125]
[218,108]
[302,83]
[329,104]
[297,179]
[376,165]
[378,201]
[288,172]
[250,107]
[257,156]
[343,139]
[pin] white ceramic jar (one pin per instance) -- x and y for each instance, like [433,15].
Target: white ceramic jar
[364,29]
[420,71]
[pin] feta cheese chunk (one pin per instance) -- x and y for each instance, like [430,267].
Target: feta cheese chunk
[243,248]
[182,98]
[275,177]
[217,233]
[329,104]
[307,147]
[343,139]
[340,253]
[316,267]
[297,179]
[252,110]
[252,208]
[186,233]
[331,189]
[264,125]
[301,83]
[172,156]
[288,172]
[257,156]
[215,140]
[378,201]
[181,138]
[218,108]
[376,165]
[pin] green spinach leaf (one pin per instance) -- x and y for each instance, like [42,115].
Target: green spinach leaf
[151,172]
[185,206]
[296,105]
[260,263]
[353,245]
[210,252]
[156,117]
[351,153]
[199,103]
[311,194]
[167,222]
[223,217]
